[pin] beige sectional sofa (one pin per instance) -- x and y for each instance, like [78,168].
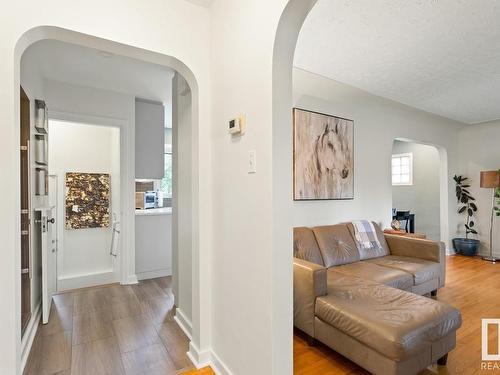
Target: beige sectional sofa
[368,305]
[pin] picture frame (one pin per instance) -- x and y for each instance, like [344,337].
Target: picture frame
[323,156]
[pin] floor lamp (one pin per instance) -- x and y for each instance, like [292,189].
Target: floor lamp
[491,180]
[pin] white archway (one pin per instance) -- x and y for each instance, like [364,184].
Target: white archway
[289,26]
[443,186]
[199,187]
[287,33]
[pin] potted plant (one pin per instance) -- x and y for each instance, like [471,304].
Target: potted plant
[466,246]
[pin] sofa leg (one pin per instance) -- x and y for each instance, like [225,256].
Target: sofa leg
[311,341]
[434,293]
[442,361]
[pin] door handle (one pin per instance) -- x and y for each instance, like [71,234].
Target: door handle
[52,221]
[25,271]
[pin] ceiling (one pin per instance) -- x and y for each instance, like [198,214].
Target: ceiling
[203,3]
[84,66]
[441,56]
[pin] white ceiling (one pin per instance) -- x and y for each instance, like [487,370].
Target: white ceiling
[441,56]
[84,66]
[203,3]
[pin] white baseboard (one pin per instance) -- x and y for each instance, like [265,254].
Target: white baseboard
[130,280]
[183,322]
[199,358]
[218,366]
[205,358]
[29,336]
[154,274]
[84,281]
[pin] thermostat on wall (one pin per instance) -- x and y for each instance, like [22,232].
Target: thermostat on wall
[237,125]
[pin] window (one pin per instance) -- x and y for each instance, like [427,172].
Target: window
[402,169]
[166,181]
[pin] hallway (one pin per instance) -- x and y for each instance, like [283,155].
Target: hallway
[115,329]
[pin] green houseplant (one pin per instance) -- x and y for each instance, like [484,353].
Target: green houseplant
[467,206]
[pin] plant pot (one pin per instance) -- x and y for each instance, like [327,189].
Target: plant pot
[466,246]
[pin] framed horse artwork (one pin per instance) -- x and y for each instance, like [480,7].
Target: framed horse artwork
[323,156]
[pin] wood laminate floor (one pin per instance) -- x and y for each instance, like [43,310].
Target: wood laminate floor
[111,330]
[472,286]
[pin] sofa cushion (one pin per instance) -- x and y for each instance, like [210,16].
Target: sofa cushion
[383,250]
[393,322]
[380,274]
[336,245]
[305,246]
[422,270]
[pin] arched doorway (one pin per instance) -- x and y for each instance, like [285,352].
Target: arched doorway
[197,326]
[285,41]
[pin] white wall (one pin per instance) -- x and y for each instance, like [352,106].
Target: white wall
[252,300]
[83,254]
[168,30]
[480,151]
[377,122]
[422,197]
[181,203]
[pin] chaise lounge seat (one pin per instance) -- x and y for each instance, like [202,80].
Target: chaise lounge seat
[367,309]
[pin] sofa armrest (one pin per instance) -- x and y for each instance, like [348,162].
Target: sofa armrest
[434,251]
[309,282]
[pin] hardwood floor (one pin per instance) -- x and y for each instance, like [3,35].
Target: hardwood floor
[202,371]
[472,286]
[111,330]
[130,330]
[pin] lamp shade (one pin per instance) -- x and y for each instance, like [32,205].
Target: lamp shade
[490,179]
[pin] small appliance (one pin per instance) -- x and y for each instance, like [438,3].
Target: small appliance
[159,198]
[145,200]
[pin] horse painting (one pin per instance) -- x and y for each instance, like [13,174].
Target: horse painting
[323,156]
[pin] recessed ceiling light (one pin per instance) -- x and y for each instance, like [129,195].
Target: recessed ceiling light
[105,54]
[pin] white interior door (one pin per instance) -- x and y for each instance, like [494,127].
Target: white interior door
[45,250]
[49,251]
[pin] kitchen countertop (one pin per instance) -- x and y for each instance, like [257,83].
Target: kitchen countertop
[154,211]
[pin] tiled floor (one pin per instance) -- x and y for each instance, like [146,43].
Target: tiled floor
[122,330]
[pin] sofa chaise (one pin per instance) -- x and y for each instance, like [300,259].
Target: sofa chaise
[368,306]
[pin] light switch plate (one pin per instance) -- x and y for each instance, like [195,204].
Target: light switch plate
[252,161]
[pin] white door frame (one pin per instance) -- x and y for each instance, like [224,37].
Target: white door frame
[127,190]
[58,218]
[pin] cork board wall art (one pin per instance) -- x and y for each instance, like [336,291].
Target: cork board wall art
[87,200]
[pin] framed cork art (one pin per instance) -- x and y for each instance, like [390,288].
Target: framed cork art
[323,156]
[87,200]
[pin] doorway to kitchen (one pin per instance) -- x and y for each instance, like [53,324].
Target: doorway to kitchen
[84,170]
[87,86]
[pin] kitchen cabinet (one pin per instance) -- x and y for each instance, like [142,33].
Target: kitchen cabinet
[153,243]
[149,139]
